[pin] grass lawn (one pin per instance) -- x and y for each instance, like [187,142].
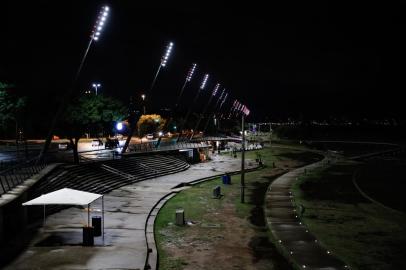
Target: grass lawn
[383,180]
[363,234]
[225,234]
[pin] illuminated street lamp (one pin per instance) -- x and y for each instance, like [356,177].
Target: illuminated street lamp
[164,60]
[119,126]
[101,20]
[202,86]
[220,101]
[165,57]
[97,28]
[143,103]
[191,72]
[215,90]
[96,86]
[188,79]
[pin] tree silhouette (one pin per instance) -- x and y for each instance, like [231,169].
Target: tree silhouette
[11,107]
[89,112]
[150,123]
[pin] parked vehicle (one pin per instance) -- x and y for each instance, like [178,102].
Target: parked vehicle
[111,143]
[65,146]
[97,142]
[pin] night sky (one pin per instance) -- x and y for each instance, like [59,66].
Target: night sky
[280,60]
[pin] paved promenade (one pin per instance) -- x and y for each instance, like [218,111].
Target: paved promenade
[58,244]
[293,237]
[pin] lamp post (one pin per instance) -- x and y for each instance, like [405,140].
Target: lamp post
[95,35]
[164,60]
[202,86]
[143,103]
[188,79]
[245,112]
[96,86]
[213,115]
[214,93]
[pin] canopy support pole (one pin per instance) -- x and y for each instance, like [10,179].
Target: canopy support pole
[88,215]
[103,217]
[43,225]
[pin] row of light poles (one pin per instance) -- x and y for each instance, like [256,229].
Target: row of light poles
[94,37]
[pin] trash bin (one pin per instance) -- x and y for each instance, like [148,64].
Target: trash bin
[88,239]
[224,179]
[96,223]
[228,177]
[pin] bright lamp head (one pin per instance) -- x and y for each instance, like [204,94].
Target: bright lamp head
[119,126]
[206,76]
[165,57]
[190,73]
[215,90]
[98,27]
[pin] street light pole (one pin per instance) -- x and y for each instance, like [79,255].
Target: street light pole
[216,88]
[101,19]
[96,86]
[213,115]
[164,60]
[202,86]
[163,63]
[244,112]
[174,110]
[243,161]
[143,103]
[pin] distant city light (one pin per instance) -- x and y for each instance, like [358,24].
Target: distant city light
[204,81]
[165,57]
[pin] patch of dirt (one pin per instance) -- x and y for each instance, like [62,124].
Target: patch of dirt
[238,243]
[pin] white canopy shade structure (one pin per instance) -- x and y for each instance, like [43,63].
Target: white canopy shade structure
[65,196]
[68,196]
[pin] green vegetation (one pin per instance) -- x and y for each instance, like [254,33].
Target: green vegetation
[11,107]
[383,179]
[150,123]
[90,112]
[246,222]
[363,234]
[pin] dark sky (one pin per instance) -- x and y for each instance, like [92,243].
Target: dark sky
[317,60]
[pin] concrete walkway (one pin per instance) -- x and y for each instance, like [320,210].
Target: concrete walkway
[292,236]
[58,244]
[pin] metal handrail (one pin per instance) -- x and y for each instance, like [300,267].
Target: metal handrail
[14,176]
